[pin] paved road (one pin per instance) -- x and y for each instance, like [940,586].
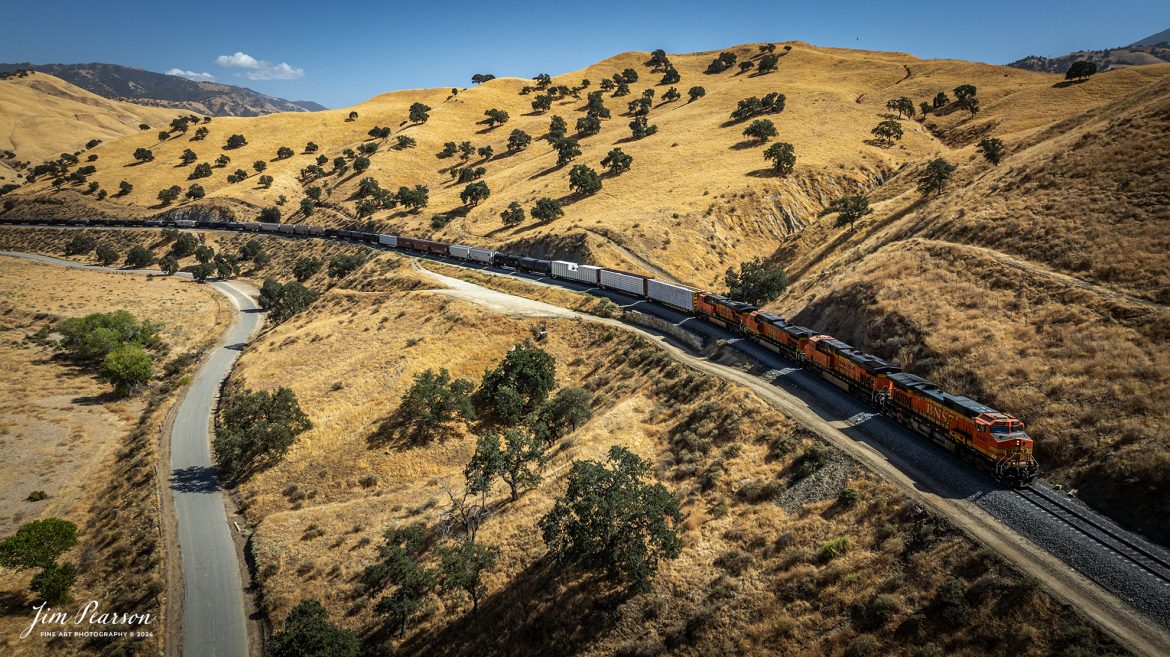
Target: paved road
[214,621]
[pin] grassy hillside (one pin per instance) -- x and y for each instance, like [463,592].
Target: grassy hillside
[753,577]
[42,116]
[698,194]
[1038,285]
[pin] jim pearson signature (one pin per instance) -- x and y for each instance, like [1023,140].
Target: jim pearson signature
[89,614]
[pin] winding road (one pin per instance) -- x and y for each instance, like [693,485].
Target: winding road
[214,620]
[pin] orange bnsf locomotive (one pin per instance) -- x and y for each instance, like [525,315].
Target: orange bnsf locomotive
[980,434]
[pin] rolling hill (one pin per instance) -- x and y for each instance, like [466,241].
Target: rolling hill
[42,116]
[1037,285]
[136,85]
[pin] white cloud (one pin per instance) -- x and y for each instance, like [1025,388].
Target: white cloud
[258,69]
[192,75]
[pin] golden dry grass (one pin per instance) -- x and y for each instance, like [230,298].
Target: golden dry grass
[42,116]
[697,198]
[750,579]
[61,432]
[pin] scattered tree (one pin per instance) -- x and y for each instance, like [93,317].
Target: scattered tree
[143,154]
[1081,70]
[609,517]
[463,566]
[768,63]
[139,257]
[343,265]
[696,93]
[435,399]
[105,254]
[308,633]
[80,245]
[671,95]
[567,149]
[360,164]
[517,461]
[307,206]
[414,198]
[557,129]
[546,209]
[419,113]
[783,157]
[964,91]
[935,176]
[617,161]
[496,117]
[724,61]
[850,209]
[757,282]
[901,105]
[671,76]
[265,181]
[513,215]
[587,126]
[480,78]
[746,66]
[352,116]
[888,130]
[398,567]
[256,426]
[640,128]
[304,268]
[270,215]
[236,141]
[169,265]
[202,170]
[169,194]
[283,300]
[761,130]
[584,180]
[124,188]
[188,156]
[128,368]
[195,192]
[569,409]
[283,153]
[519,140]
[521,382]
[485,152]
[992,149]
[474,193]
[39,544]
[941,100]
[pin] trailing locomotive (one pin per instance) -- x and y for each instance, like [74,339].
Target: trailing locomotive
[980,434]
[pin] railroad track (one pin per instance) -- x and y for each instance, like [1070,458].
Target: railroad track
[1116,542]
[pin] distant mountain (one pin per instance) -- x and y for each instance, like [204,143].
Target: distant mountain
[1154,49]
[160,90]
[1154,39]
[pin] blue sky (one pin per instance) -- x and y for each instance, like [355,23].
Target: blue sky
[340,53]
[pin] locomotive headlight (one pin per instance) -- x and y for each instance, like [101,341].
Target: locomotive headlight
[1018,441]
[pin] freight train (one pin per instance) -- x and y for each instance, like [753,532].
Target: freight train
[991,439]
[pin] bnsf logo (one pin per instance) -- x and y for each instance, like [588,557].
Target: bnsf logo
[938,413]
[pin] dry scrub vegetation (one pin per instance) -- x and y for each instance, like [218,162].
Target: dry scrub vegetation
[788,546]
[92,453]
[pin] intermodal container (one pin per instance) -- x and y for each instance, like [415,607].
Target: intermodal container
[678,296]
[575,272]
